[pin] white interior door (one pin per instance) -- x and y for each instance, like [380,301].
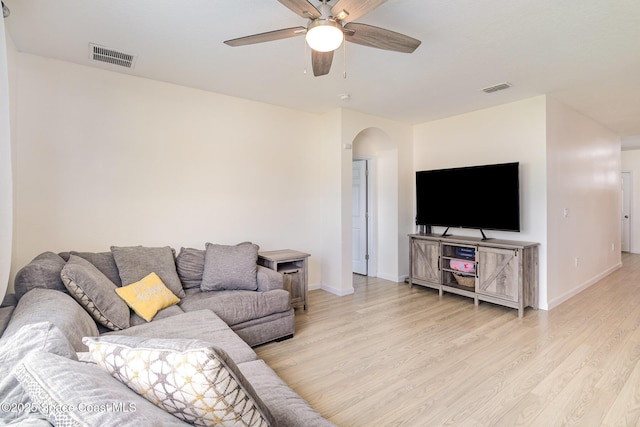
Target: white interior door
[625,237]
[359,217]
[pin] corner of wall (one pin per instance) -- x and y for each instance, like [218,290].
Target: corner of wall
[6,175]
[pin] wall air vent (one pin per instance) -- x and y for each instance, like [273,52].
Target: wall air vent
[111,56]
[495,88]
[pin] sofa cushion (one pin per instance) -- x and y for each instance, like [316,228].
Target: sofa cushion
[104,262]
[172,310]
[147,296]
[47,305]
[190,379]
[95,292]
[5,317]
[203,325]
[286,406]
[237,306]
[190,266]
[136,262]
[265,329]
[42,272]
[90,395]
[230,267]
[14,348]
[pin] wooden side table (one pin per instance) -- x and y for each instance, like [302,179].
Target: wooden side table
[293,267]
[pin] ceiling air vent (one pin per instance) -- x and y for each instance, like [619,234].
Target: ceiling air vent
[111,56]
[501,86]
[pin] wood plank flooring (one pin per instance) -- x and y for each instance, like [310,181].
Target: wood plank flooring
[389,355]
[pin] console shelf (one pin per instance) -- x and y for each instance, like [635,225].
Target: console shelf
[502,272]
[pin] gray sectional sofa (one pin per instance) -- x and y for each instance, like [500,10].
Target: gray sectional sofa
[67,317]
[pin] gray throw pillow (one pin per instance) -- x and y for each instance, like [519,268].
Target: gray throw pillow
[96,293]
[230,267]
[104,262]
[13,349]
[190,266]
[86,394]
[42,272]
[136,262]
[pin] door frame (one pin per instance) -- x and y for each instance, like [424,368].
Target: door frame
[361,194]
[629,194]
[372,237]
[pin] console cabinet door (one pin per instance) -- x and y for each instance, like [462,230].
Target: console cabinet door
[425,256]
[499,273]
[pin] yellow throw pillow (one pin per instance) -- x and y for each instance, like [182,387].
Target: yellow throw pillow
[147,296]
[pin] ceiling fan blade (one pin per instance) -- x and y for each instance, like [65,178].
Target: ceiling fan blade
[302,8]
[368,35]
[267,37]
[350,10]
[321,62]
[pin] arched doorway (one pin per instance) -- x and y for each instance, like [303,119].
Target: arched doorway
[375,152]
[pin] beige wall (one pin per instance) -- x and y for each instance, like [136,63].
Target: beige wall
[583,171]
[109,159]
[566,160]
[7,52]
[512,132]
[104,158]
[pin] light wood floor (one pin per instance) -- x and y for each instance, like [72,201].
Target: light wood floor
[393,356]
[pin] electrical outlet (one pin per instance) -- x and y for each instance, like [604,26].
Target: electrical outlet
[565,212]
[576,261]
[613,247]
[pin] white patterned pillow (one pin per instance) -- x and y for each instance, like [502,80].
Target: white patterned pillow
[95,292]
[189,379]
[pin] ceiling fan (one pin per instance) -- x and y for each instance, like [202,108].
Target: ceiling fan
[329,26]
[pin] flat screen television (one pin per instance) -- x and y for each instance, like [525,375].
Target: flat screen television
[483,197]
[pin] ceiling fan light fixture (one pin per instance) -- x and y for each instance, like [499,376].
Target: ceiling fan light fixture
[324,35]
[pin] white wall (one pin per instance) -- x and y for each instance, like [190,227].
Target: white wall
[106,159]
[512,132]
[7,52]
[631,162]
[103,158]
[583,172]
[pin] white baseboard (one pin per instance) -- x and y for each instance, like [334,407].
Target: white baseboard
[562,298]
[396,279]
[336,291]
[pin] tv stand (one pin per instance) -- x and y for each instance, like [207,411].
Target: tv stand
[503,272]
[445,234]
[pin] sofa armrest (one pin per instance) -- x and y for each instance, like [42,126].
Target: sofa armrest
[268,279]
[42,272]
[9,300]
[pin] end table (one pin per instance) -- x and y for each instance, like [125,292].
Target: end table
[293,267]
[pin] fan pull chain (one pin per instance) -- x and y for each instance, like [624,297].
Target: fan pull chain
[344,60]
[305,56]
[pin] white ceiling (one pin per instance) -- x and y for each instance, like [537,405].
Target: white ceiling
[585,53]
